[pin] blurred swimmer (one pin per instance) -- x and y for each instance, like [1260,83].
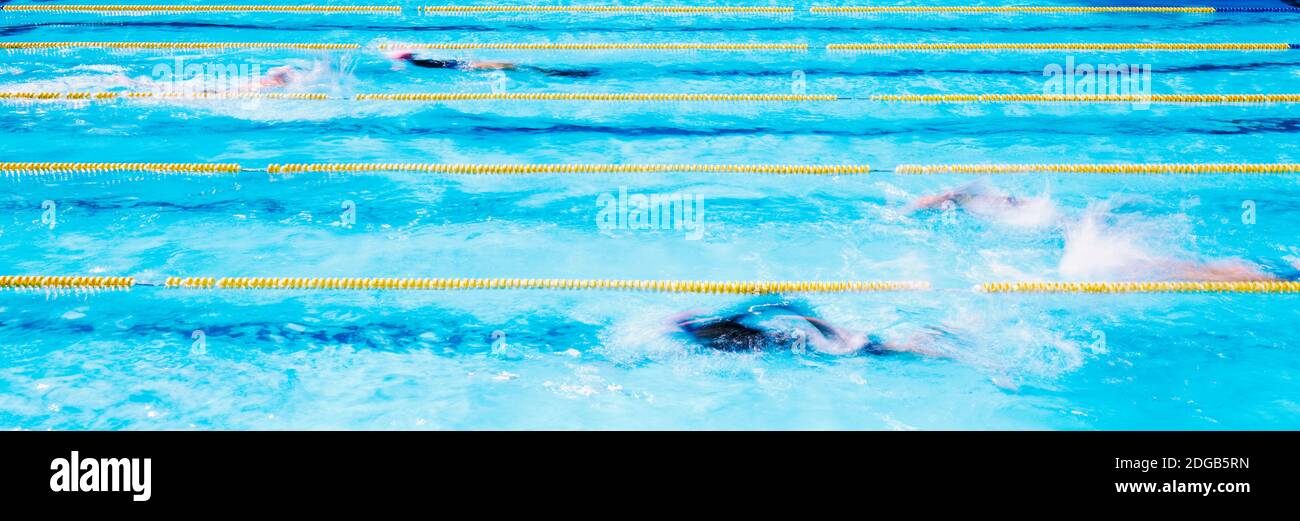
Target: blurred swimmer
[278,77]
[409,57]
[292,76]
[1228,270]
[770,323]
[297,75]
[990,203]
[1095,251]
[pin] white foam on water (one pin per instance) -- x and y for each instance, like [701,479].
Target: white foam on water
[1096,249]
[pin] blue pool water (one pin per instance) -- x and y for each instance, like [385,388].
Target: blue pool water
[602,360]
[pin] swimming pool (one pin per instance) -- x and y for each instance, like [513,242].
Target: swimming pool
[154,357]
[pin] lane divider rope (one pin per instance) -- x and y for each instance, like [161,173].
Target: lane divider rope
[1084,98]
[603,46]
[639,97]
[45,281]
[656,10]
[37,168]
[666,286]
[16,168]
[968,47]
[101,96]
[563,168]
[153,8]
[1261,286]
[534,96]
[956,9]
[10,169]
[1130,168]
[562,96]
[861,47]
[21,282]
[177,45]
[462,9]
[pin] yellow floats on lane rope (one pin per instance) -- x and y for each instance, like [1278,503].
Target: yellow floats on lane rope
[602,46]
[956,9]
[177,45]
[19,168]
[1260,286]
[608,9]
[20,282]
[1083,98]
[101,96]
[1191,99]
[12,168]
[615,9]
[564,96]
[1129,168]
[970,47]
[643,97]
[664,286]
[156,8]
[538,96]
[563,168]
[76,282]
[865,47]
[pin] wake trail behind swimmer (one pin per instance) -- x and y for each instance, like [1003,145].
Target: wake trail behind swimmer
[1097,250]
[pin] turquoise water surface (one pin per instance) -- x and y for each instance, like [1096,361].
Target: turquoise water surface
[154,358]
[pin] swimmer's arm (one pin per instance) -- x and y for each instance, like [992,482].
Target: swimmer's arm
[685,321]
[825,337]
[491,66]
[834,334]
[958,196]
[1224,271]
[922,344]
[823,327]
[931,201]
